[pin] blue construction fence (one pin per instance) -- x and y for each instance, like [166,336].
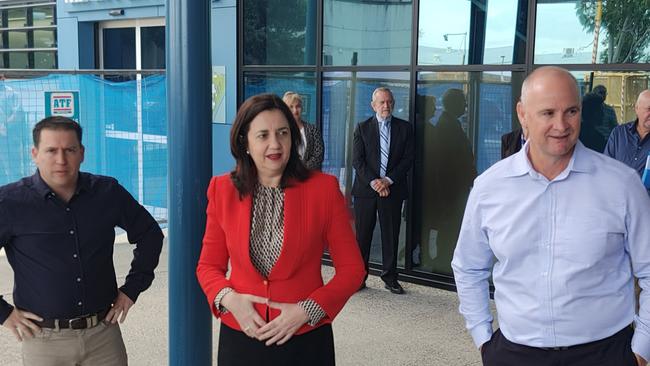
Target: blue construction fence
[124,130]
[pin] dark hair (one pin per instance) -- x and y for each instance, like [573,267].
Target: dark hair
[244,177]
[600,90]
[592,109]
[55,123]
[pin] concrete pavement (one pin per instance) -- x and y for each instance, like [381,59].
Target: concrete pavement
[375,328]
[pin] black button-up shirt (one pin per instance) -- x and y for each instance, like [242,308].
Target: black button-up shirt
[626,145]
[62,253]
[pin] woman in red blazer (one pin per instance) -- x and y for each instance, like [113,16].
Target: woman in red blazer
[270,220]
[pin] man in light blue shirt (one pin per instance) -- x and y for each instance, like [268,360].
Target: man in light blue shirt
[562,229]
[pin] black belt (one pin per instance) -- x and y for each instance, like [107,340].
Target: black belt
[564,348]
[82,322]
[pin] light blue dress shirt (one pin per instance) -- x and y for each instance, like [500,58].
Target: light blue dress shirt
[561,252]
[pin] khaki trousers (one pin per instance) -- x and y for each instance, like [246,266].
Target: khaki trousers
[101,345]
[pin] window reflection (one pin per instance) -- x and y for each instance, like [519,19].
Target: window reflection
[303,83]
[460,118]
[44,39]
[152,47]
[45,60]
[445,33]
[279,32]
[346,102]
[367,32]
[574,31]
[43,15]
[621,91]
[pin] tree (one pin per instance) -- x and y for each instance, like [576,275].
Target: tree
[627,26]
[274,32]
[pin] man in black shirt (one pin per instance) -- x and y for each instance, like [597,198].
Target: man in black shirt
[57,228]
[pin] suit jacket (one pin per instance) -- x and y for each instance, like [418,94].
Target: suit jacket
[366,153]
[510,143]
[315,217]
[314,153]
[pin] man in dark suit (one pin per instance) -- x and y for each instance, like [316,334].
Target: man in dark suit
[512,142]
[382,154]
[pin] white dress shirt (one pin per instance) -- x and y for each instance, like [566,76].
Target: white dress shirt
[561,252]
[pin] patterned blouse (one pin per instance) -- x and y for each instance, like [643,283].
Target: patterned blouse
[266,238]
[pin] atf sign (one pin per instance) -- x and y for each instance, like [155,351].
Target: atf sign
[62,103]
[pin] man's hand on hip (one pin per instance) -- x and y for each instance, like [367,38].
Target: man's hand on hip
[640,360]
[120,309]
[21,325]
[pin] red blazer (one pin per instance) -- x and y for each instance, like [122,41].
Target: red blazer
[315,217]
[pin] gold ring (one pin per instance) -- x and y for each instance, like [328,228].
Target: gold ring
[246,329]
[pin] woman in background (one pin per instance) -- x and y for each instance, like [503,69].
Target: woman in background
[311,151]
[271,219]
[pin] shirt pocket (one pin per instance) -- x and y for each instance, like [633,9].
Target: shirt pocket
[592,239]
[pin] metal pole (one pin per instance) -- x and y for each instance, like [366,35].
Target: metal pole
[189,140]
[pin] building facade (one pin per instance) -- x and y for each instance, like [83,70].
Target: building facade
[455,68]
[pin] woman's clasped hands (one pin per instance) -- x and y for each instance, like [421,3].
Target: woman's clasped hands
[278,331]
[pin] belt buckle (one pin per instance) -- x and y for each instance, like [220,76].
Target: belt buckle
[83,322]
[563,348]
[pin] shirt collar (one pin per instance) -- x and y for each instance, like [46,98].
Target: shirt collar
[580,162]
[383,120]
[632,126]
[43,190]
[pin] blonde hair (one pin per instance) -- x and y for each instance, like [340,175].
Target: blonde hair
[290,97]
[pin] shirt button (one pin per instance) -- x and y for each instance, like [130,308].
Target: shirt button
[544,273]
[78,279]
[266,282]
[74,255]
[80,303]
[67,209]
[71,232]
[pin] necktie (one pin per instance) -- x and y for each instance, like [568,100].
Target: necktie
[383,148]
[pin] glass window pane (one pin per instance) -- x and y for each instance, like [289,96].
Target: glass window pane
[152,47]
[43,15]
[460,118]
[444,33]
[303,83]
[119,48]
[17,39]
[17,18]
[279,32]
[622,89]
[367,32]
[18,60]
[346,102]
[45,60]
[566,32]
[443,37]
[505,34]
[44,38]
